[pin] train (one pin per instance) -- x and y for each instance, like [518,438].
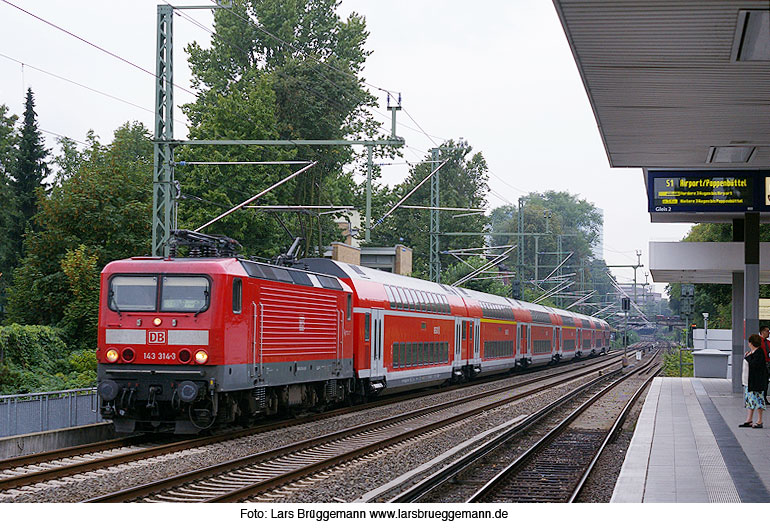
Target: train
[187,344]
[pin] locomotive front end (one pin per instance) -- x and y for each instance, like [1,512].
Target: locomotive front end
[158,346]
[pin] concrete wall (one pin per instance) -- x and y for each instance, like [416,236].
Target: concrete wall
[19,445]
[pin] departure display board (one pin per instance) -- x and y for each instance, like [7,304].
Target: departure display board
[708,191]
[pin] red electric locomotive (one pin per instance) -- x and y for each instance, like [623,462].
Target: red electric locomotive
[187,343]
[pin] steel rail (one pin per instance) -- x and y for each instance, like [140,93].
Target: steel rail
[546,440]
[80,467]
[423,488]
[170,482]
[612,433]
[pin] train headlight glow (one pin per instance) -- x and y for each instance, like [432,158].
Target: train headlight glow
[157,321]
[201,357]
[111,355]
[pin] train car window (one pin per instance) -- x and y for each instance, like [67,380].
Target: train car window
[413,303]
[300,277]
[252,269]
[421,353]
[436,302]
[411,349]
[399,298]
[367,326]
[133,293]
[421,304]
[329,282]
[349,313]
[389,293]
[464,325]
[237,294]
[184,294]
[395,355]
[402,353]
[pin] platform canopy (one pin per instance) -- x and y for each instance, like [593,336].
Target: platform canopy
[675,84]
[703,262]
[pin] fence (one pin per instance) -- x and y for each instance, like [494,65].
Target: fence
[44,411]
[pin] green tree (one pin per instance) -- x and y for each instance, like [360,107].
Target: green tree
[98,214]
[276,69]
[8,207]
[550,218]
[30,168]
[463,184]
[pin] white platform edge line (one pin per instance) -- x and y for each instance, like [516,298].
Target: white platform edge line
[631,482]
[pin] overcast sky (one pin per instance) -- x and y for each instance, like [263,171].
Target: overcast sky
[498,73]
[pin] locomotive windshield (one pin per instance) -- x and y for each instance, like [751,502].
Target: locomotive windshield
[184,294]
[139,293]
[133,293]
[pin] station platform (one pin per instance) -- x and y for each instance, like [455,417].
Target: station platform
[687,447]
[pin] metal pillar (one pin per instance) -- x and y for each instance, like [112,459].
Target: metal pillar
[520,274]
[163,217]
[434,259]
[750,277]
[737,314]
[368,236]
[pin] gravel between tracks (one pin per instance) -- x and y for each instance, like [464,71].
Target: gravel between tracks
[345,486]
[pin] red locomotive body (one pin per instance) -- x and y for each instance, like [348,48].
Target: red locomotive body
[186,343]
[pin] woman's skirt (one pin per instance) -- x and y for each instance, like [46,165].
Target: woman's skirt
[753,400]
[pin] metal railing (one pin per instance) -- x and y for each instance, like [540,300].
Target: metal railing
[44,411]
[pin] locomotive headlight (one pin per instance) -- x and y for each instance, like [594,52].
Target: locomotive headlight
[111,355]
[201,357]
[157,321]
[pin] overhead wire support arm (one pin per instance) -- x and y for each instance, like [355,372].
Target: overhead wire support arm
[259,195]
[410,193]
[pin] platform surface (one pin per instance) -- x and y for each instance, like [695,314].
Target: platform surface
[687,447]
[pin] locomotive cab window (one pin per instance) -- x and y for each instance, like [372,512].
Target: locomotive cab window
[184,294]
[349,312]
[132,293]
[237,294]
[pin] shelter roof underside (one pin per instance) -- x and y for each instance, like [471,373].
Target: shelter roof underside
[663,81]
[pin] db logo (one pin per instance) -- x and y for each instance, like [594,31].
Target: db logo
[156,338]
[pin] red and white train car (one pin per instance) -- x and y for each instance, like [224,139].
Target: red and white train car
[185,343]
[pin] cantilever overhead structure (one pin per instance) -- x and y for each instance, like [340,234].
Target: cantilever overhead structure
[683,85]
[164,184]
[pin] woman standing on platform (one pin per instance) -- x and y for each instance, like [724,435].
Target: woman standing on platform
[754,382]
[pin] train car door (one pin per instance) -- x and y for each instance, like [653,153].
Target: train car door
[458,342]
[377,343]
[523,339]
[557,340]
[476,335]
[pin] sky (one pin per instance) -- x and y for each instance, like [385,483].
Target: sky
[498,73]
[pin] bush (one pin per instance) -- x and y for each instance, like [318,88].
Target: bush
[36,359]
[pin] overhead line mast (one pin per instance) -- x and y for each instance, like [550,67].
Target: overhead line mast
[164,215]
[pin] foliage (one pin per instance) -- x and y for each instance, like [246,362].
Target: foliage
[98,213]
[487,284]
[30,168]
[462,184]
[275,70]
[671,364]
[36,359]
[9,210]
[554,216]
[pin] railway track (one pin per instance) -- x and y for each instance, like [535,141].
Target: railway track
[554,469]
[41,467]
[270,470]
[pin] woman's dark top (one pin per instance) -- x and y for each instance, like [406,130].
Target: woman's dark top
[757,371]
